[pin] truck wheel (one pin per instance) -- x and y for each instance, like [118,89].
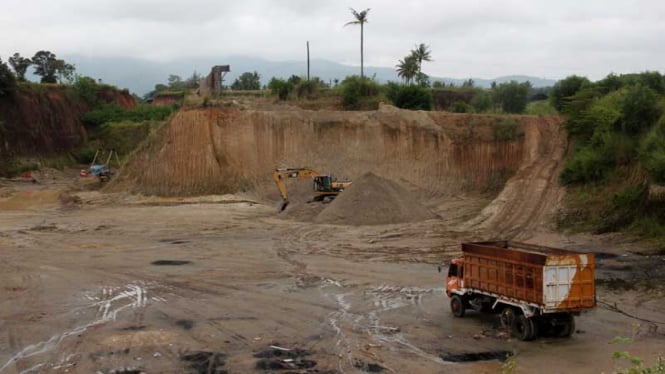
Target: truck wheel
[523,328]
[507,317]
[534,328]
[457,306]
[567,328]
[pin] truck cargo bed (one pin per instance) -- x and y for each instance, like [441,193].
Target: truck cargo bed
[555,280]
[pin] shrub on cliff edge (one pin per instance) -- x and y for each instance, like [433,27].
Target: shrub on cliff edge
[7,80]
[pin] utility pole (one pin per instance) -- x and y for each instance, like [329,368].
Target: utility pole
[308,60]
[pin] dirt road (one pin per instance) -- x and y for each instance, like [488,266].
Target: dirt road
[124,285]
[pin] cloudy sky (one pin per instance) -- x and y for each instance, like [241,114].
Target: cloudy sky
[479,38]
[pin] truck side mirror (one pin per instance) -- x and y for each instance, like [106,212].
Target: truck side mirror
[439,268]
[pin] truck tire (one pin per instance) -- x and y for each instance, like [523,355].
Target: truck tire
[535,328]
[566,329]
[524,328]
[507,317]
[457,306]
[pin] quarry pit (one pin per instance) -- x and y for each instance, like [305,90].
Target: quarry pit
[183,263]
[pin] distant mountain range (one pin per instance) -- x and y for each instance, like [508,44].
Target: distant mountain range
[141,76]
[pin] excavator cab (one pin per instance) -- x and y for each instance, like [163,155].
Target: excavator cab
[323,183]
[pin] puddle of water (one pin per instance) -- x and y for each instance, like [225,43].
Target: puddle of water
[170,262]
[185,323]
[477,356]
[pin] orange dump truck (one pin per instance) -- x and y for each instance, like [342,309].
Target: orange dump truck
[536,289]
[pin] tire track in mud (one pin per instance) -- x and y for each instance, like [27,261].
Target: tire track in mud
[356,323]
[30,286]
[530,198]
[106,307]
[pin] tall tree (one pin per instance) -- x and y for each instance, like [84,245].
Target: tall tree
[407,68]
[360,19]
[20,64]
[422,53]
[64,71]
[45,66]
[247,81]
[512,96]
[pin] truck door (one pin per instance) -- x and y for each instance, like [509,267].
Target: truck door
[455,274]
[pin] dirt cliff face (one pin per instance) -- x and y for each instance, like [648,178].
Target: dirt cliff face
[45,119]
[122,98]
[227,151]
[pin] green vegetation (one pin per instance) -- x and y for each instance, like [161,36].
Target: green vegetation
[540,108]
[507,130]
[123,137]
[410,97]
[247,81]
[87,89]
[512,97]
[176,84]
[51,69]
[357,92]
[280,88]
[565,89]
[411,67]
[618,130]
[106,113]
[636,364]
[7,80]
[20,65]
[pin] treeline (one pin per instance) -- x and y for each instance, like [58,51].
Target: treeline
[618,130]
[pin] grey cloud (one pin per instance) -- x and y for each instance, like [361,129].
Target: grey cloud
[480,38]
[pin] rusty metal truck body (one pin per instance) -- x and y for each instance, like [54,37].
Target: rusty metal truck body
[534,288]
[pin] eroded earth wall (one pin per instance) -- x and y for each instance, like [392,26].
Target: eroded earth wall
[216,150]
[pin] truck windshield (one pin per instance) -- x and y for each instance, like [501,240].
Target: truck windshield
[452,270]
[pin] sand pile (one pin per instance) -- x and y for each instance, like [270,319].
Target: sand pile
[373,200]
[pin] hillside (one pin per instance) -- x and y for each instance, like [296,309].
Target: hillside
[41,120]
[140,76]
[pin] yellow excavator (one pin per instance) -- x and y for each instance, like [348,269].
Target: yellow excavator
[326,187]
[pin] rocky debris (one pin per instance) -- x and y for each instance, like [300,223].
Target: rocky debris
[204,362]
[280,358]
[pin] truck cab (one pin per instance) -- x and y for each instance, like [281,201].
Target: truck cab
[455,281]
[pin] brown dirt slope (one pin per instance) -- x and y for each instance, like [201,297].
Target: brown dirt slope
[373,200]
[46,119]
[531,197]
[213,151]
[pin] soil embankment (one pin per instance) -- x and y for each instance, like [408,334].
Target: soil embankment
[46,119]
[208,151]
[532,196]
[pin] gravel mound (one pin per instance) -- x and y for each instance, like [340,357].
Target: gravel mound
[373,200]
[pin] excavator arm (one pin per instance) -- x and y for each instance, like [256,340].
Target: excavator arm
[285,173]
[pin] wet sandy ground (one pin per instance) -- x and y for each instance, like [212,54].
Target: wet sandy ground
[156,287]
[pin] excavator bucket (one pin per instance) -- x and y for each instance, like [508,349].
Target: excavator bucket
[283,205]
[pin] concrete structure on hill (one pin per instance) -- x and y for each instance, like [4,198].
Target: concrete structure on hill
[213,82]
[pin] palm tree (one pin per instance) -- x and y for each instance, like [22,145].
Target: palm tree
[360,19]
[407,68]
[421,53]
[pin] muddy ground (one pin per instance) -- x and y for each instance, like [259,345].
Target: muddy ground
[113,283]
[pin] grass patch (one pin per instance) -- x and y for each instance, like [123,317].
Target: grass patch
[652,228]
[540,108]
[115,113]
[507,130]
